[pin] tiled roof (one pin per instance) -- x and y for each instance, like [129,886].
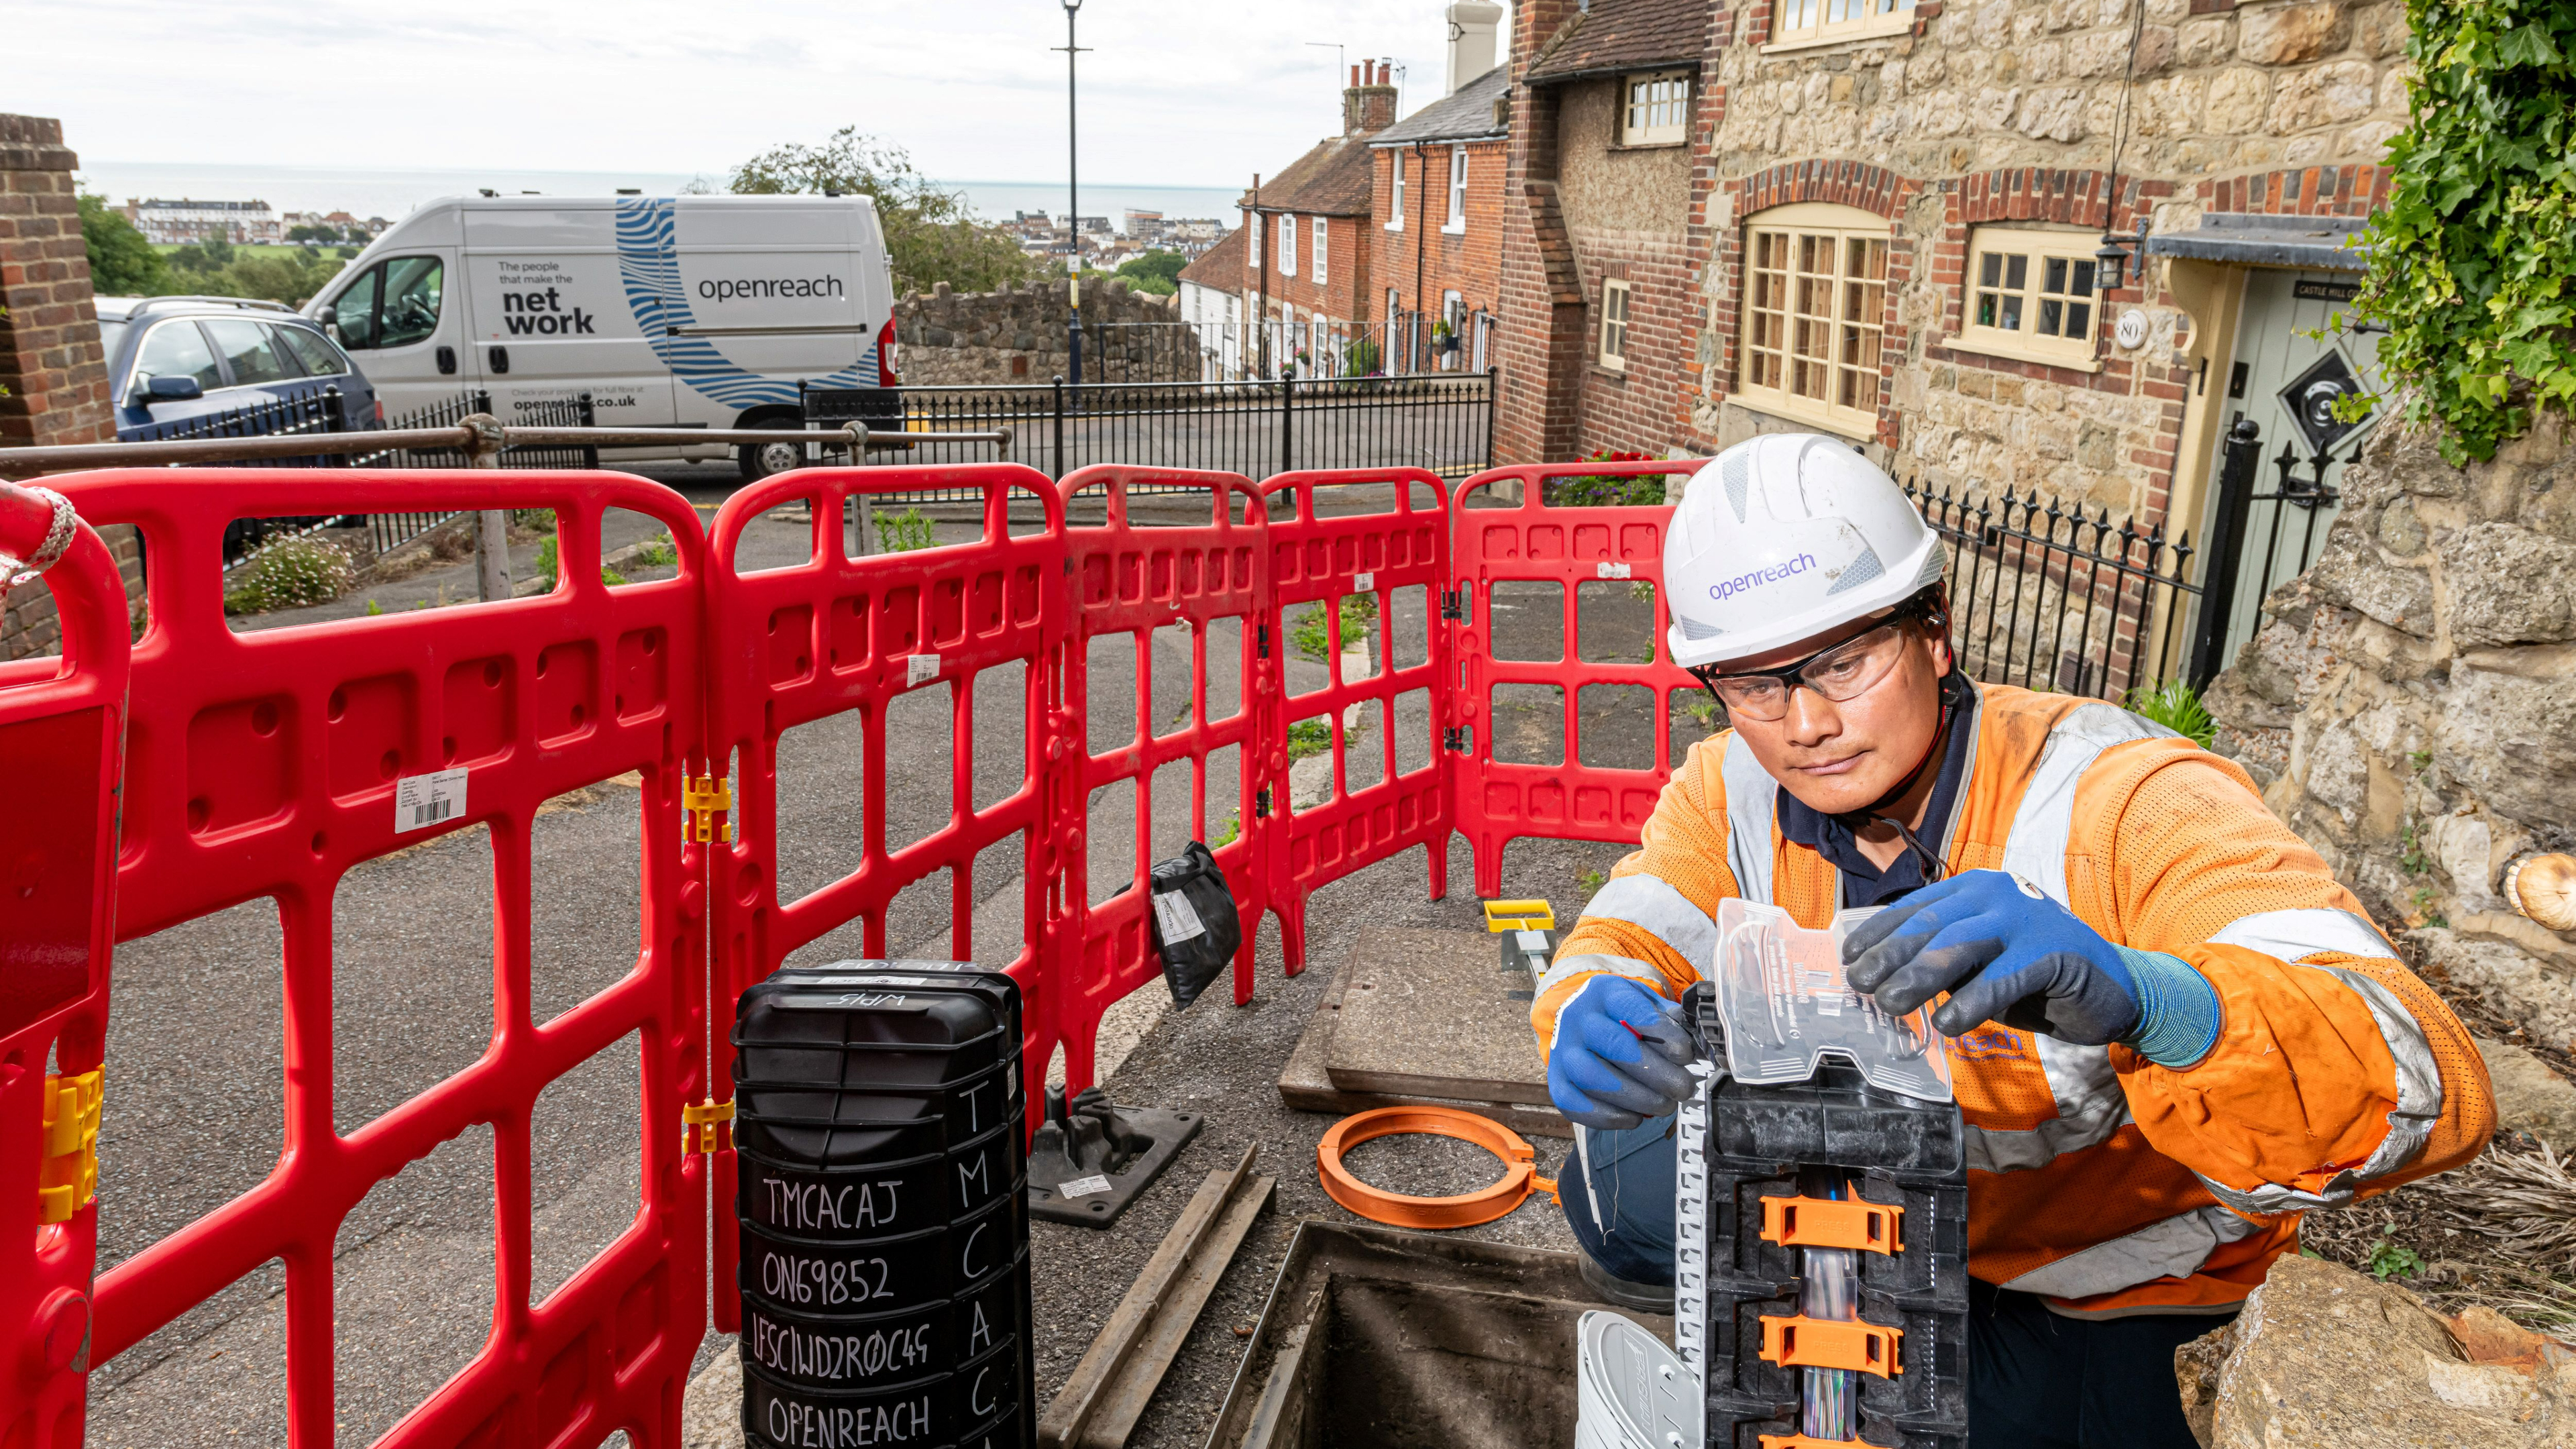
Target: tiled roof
[1220,267]
[1619,34]
[1334,179]
[1465,116]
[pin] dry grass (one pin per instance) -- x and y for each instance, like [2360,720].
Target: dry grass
[2500,1231]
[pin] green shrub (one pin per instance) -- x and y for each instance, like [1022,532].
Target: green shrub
[1605,490]
[289,575]
[655,552]
[2472,264]
[2178,708]
[1309,737]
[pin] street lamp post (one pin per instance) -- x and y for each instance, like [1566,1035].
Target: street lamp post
[1073,203]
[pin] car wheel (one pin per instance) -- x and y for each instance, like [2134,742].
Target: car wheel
[760,460]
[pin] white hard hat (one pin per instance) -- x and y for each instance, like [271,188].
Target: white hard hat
[1781,538]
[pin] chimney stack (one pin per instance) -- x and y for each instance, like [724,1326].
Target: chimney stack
[1369,103]
[1473,25]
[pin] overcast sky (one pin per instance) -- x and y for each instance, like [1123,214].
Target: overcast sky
[1172,93]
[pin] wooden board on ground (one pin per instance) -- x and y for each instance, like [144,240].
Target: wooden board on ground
[1421,1015]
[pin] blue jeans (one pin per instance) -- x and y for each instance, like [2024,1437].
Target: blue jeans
[2035,1380]
[1630,1175]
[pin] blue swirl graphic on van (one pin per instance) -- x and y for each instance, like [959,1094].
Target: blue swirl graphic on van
[648,264]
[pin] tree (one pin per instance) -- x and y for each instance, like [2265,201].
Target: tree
[312,233]
[208,256]
[930,235]
[121,262]
[1158,272]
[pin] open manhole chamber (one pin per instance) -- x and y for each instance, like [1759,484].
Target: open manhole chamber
[1375,1338]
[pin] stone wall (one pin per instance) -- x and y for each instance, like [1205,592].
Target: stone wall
[2006,111]
[2409,703]
[1019,334]
[53,377]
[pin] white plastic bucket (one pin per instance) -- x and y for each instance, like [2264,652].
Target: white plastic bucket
[1631,1391]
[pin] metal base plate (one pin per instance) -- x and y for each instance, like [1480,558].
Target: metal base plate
[1099,1206]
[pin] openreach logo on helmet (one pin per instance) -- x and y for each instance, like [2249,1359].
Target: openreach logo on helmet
[1725,589]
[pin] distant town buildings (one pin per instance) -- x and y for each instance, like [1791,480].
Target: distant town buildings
[1102,248]
[165,222]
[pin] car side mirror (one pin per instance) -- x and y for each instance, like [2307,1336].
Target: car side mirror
[173,389]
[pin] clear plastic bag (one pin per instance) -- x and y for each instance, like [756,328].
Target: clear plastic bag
[1781,990]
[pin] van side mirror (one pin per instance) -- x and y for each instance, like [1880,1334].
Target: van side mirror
[173,389]
[329,316]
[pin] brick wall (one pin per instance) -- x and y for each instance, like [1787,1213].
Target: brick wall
[51,368]
[1423,261]
[1542,338]
[1344,293]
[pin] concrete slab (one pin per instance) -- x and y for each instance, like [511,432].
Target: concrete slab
[1426,1013]
[1306,1085]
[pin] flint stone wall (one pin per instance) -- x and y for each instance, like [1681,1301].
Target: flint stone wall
[2409,703]
[1018,334]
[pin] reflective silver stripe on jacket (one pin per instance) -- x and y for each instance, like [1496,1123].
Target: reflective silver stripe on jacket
[2035,849]
[2090,1106]
[1654,905]
[1592,963]
[2296,935]
[2173,1247]
[2090,1109]
[1752,798]
[2410,1122]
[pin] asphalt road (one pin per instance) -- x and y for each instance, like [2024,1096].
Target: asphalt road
[196,1054]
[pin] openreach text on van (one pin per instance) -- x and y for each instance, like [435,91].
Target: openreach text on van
[1738,584]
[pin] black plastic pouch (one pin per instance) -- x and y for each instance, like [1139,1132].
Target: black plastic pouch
[1196,927]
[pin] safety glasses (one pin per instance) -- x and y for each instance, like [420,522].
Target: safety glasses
[1839,674]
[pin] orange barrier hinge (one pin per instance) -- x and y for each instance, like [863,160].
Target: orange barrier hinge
[699,1126]
[708,799]
[1804,1342]
[67,1179]
[1815,1222]
[1501,916]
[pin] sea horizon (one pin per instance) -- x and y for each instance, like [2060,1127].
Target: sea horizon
[392,192]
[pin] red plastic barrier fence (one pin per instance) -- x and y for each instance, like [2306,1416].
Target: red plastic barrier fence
[267,764]
[1569,547]
[61,728]
[1125,581]
[1319,560]
[841,633]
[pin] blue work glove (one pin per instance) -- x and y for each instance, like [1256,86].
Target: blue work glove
[1619,1057]
[2006,952]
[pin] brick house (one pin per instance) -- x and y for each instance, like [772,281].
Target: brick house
[1437,227]
[1212,302]
[1887,220]
[1306,260]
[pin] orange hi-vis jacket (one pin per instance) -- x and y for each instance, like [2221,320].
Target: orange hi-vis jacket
[2097,1178]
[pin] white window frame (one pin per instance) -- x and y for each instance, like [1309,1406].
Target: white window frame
[2028,305]
[1611,349]
[1819,367]
[1257,230]
[1395,194]
[1800,24]
[1323,252]
[1654,108]
[1287,246]
[1456,225]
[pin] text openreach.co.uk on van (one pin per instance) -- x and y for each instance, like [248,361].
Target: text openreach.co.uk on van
[727,289]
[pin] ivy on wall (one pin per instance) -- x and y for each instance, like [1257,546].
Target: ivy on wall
[2473,263]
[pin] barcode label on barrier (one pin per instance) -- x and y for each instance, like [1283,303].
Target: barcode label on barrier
[421,801]
[1083,1187]
[919,667]
[1178,918]
[1611,571]
[1363,583]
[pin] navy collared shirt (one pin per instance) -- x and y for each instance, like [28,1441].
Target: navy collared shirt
[1864,884]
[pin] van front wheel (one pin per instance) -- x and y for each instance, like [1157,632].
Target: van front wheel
[760,460]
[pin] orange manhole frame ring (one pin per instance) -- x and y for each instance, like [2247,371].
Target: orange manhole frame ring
[1520,1176]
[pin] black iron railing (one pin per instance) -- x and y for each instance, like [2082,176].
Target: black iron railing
[2047,596]
[1405,344]
[389,531]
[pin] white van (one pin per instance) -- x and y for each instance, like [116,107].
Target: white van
[686,311]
